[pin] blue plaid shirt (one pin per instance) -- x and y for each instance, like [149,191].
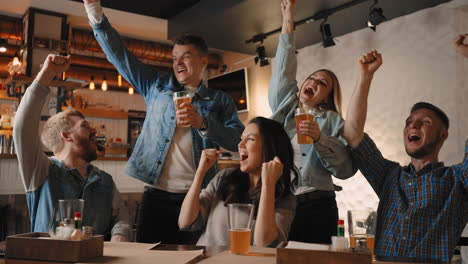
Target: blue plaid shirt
[421,213]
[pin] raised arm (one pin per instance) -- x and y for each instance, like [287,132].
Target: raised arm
[283,84]
[191,206]
[357,109]
[139,75]
[460,46]
[33,163]
[266,228]
[288,8]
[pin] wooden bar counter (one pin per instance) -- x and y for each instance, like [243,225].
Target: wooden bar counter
[138,253]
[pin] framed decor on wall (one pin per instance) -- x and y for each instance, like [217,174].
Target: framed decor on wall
[234,84]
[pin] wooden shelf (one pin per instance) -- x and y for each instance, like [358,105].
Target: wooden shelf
[13,156]
[102,113]
[7,156]
[113,158]
[22,79]
[4,96]
[229,162]
[6,131]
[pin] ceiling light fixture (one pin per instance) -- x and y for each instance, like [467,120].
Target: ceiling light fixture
[376,16]
[131,90]
[91,84]
[327,37]
[104,84]
[3,45]
[261,56]
[119,80]
[323,14]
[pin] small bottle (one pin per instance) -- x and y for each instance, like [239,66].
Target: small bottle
[77,234]
[340,228]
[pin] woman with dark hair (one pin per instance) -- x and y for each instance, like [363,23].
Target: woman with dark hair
[316,212]
[263,179]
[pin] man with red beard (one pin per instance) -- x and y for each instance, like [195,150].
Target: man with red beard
[68,174]
[423,207]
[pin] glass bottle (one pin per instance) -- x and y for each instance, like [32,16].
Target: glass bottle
[340,228]
[77,234]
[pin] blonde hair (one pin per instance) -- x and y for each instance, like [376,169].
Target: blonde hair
[51,132]
[334,98]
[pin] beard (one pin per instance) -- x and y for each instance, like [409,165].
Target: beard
[89,153]
[425,150]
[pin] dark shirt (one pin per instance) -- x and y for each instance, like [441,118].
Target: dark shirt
[421,214]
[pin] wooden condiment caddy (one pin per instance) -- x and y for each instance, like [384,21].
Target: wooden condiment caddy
[39,246]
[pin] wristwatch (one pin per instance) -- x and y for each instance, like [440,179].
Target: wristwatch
[204,126]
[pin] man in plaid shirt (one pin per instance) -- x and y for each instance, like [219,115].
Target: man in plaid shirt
[423,207]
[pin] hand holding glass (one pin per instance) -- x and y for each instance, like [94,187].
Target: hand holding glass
[180,98]
[302,114]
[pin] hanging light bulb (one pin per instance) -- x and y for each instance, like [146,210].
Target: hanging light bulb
[3,45]
[119,80]
[16,61]
[14,67]
[91,83]
[104,84]
[131,90]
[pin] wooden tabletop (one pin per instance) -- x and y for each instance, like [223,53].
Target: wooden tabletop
[132,253]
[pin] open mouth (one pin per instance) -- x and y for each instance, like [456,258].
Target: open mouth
[413,138]
[309,91]
[244,157]
[181,70]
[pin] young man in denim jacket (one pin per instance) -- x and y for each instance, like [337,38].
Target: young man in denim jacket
[166,155]
[68,174]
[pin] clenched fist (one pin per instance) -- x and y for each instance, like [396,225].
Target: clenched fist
[271,172]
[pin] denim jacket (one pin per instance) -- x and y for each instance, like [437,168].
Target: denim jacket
[327,156]
[224,127]
[46,180]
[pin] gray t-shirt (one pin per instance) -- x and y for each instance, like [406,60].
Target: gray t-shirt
[213,216]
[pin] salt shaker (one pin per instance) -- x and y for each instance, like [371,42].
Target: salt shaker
[87,232]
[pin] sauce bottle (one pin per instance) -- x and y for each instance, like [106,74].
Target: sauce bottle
[77,234]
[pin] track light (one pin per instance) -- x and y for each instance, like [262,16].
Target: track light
[104,84]
[91,83]
[3,45]
[261,56]
[327,37]
[376,16]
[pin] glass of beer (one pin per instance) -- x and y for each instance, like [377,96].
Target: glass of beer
[301,115]
[361,226]
[179,98]
[240,226]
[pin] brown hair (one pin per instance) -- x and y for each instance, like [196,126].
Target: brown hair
[334,98]
[53,128]
[198,42]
